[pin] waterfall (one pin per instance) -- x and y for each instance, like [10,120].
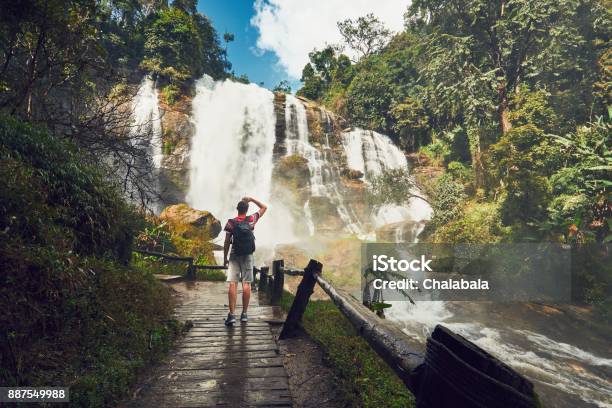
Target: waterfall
[231,154]
[147,121]
[147,132]
[372,153]
[323,183]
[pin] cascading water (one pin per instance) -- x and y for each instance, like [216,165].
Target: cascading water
[147,130]
[231,154]
[372,153]
[322,183]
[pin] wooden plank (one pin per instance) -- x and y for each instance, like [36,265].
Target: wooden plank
[243,363]
[224,337]
[220,344]
[220,323]
[203,375]
[221,384]
[207,350]
[215,365]
[230,331]
[265,398]
[259,359]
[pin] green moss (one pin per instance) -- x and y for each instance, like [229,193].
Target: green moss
[363,377]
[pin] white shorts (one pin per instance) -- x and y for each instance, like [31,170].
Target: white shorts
[240,269]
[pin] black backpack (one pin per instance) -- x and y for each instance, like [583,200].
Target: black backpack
[243,239]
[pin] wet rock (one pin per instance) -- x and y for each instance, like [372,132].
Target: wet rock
[191,223]
[325,215]
[280,148]
[405,231]
[292,170]
[352,174]
[177,131]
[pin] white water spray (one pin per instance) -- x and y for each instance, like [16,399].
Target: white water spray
[231,154]
[147,122]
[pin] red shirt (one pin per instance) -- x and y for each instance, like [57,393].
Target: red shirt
[253,218]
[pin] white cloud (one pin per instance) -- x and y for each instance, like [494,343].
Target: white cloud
[293,28]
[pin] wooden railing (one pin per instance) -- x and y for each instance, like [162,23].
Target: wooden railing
[191,266]
[451,372]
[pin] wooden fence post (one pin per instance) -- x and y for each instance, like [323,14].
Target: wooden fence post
[278,283]
[263,278]
[191,271]
[304,290]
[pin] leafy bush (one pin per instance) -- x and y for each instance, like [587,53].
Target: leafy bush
[438,151]
[447,201]
[73,313]
[480,223]
[459,171]
[393,186]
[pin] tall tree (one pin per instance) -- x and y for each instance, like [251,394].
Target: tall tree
[488,48]
[366,35]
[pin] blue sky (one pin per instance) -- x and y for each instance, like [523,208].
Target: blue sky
[273,37]
[234,16]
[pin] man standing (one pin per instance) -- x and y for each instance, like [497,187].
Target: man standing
[239,234]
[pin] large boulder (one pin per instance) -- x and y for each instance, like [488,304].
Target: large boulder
[191,223]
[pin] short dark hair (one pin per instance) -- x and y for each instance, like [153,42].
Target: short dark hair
[242,207]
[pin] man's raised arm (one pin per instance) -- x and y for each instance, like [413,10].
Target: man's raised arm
[262,206]
[226,247]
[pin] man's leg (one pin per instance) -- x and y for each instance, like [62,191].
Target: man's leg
[247,278]
[231,294]
[232,279]
[246,295]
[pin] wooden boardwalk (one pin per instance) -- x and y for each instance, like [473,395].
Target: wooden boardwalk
[214,365]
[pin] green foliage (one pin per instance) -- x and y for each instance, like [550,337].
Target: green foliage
[521,158]
[582,186]
[73,312]
[79,196]
[369,99]
[448,201]
[324,71]
[438,151]
[366,35]
[182,44]
[480,223]
[363,377]
[243,79]
[459,171]
[170,93]
[394,186]
[283,86]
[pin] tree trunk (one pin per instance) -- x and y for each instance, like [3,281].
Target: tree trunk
[502,109]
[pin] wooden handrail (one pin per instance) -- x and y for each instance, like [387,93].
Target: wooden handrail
[449,358]
[384,337]
[165,256]
[293,272]
[191,267]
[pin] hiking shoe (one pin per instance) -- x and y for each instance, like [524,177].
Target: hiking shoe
[231,319]
[243,317]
